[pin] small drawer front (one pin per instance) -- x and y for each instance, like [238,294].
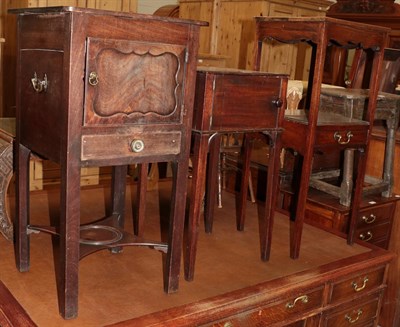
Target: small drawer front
[341,136]
[362,314]
[356,285]
[43,31]
[284,310]
[120,146]
[373,234]
[376,215]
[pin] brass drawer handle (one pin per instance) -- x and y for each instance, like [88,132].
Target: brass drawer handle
[369,219]
[303,299]
[39,85]
[93,79]
[353,320]
[338,137]
[357,288]
[367,237]
[137,146]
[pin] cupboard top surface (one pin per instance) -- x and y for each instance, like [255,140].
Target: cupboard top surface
[89,11]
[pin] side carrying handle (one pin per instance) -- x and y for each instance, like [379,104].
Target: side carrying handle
[39,85]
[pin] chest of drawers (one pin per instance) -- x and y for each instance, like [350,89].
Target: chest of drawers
[102,88]
[374,219]
[346,292]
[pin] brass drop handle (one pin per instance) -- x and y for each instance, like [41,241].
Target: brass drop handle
[360,288]
[93,79]
[369,219]
[303,299]
[137,146]
[338,137]
[367,237]
[39,85]
[353,320]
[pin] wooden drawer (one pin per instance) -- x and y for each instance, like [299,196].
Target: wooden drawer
[282,310]
[356,285]
[375,215]
[349,136]
[128,145]
[360,313]
[374,234]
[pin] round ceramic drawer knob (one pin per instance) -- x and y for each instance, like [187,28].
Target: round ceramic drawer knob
[137,146]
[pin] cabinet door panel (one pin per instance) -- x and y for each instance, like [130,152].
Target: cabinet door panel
[133,82]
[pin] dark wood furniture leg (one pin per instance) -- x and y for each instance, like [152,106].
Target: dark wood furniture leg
[271,196]
[244,181]
[140,206]
[118,190]
[21,243]
[199,160]
[69,236]
[211,190]
[176,225]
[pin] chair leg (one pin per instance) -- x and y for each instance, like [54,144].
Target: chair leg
[251,189]
[67,274]
[21,244]
[357,195]
[140,207]
[221,177]
[176,226]
[300,198]
[200,148]
[244,182]
[271,195]
[211,182]
[346,186]
[118,190]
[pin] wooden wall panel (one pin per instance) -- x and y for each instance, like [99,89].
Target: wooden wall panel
[236,31]
[232,30]
[200,10]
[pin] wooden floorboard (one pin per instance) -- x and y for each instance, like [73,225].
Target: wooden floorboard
[119,287]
